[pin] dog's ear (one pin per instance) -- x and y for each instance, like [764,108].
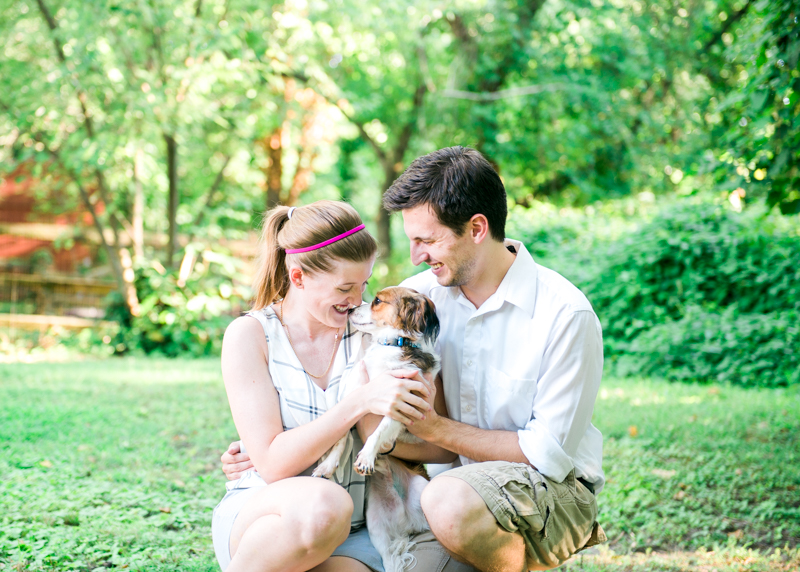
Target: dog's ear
[418,314]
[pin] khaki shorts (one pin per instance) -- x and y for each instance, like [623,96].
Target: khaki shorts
[556,520]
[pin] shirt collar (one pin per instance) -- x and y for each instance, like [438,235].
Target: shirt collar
[518,286]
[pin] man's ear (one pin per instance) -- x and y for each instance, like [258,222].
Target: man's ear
[478,228]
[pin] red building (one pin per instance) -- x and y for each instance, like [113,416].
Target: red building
[39,232]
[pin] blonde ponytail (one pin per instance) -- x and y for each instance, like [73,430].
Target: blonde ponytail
[271,281]
[309,225]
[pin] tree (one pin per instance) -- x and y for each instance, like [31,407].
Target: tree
[97,87]
[761,147]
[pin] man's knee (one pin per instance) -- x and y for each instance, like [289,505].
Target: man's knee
[455,511]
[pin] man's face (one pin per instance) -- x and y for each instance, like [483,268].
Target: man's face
[450,256]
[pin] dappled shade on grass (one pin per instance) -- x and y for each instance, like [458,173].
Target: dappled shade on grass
[116,463]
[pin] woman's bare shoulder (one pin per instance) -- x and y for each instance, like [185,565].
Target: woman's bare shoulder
[244,331]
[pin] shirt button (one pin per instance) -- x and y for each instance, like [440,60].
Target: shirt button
[468,408]
[469,363]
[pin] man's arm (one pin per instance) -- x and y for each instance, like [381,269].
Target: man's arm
[235,462]
[569,380]
[471,442]
[566,390]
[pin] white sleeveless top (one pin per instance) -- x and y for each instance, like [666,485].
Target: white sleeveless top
[302,400]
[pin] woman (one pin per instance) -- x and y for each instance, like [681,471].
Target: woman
[282,365]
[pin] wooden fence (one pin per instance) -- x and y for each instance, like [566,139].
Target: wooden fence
[34,301]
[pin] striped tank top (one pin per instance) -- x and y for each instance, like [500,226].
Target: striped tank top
[302,400]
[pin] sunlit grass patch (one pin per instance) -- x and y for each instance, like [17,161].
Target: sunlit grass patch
[692,466]
[114,464]
[111,464]
[735,559]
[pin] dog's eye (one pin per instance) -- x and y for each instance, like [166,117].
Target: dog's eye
[376,301]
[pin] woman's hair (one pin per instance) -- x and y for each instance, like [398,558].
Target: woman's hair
[309,225]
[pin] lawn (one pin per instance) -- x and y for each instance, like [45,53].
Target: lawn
[114,465]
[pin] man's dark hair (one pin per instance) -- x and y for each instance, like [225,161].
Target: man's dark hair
[456,183]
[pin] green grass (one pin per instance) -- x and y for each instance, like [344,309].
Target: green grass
[114,465]
[111,463]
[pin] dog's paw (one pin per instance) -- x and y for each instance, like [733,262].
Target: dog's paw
[326,468]
[365,463]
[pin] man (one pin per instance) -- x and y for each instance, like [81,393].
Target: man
[522,360]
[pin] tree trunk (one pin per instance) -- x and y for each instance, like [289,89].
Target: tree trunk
[128,278]
[383,220]
[275,168]
[137,216]
[174,198]
[124,283]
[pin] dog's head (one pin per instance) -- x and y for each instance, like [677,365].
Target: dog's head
[409,313]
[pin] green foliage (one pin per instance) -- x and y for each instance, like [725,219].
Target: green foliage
[574,101]
[762,144]
[748,349]
[114,465]
[694,254]
[184,311]
[58,344]
[694,292]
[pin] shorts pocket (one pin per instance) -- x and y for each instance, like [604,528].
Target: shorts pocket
[524,495]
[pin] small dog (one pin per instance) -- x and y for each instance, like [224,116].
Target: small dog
[404,328]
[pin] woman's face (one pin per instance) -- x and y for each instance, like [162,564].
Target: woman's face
[329,295]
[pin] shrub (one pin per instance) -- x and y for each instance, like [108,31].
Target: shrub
[694,255]
[183,314]
[697,292]
[742,349]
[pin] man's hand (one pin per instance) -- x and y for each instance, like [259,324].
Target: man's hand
[235,462]
[426,427]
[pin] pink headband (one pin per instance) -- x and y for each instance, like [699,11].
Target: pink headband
[326,243]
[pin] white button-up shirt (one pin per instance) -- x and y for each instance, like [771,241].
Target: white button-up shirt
[529,360]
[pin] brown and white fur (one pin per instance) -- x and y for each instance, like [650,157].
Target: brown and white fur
[393,511]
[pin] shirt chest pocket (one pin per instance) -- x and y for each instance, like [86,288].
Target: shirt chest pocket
[507,401]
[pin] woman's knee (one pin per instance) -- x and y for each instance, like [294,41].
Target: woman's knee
[323,517]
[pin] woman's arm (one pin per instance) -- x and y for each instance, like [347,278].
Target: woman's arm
[255,405]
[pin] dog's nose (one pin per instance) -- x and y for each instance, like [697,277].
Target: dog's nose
[351,310]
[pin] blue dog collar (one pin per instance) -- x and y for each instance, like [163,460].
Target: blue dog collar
[398,342]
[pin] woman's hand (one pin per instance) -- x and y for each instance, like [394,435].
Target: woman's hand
[235,462]
[399,394]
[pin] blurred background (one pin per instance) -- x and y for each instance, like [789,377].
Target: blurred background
[649,149]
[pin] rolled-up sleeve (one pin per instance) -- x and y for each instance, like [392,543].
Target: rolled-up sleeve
[567,387]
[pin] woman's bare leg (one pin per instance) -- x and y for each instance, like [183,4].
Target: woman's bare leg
[292,525]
